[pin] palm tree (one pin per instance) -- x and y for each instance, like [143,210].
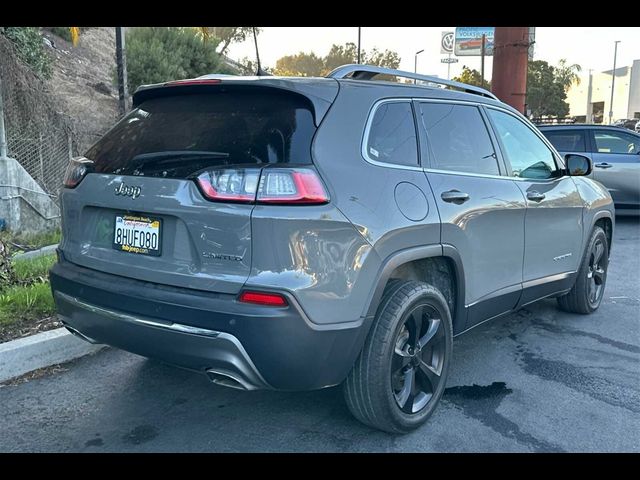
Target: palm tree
[567,75]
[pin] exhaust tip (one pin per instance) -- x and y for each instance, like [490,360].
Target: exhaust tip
[226,380]
[79,335]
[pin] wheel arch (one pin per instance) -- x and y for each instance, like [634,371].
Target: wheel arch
[605,220]
[407,261]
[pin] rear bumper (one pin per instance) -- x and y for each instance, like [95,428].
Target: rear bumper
[256,347]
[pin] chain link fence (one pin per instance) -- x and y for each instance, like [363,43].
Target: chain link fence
[43,154]
[39,136]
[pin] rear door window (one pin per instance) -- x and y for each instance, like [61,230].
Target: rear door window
[392,135]
[567,140]
[176,136]
[608,141]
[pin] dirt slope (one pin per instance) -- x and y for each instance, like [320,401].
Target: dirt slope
[82,82]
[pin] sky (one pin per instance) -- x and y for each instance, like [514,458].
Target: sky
[589,47]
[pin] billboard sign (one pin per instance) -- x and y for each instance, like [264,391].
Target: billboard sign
[468,41]
[446,43]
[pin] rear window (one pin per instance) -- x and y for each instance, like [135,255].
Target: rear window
[177,136]
[566,141]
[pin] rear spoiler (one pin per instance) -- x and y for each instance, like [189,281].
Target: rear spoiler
[321,92]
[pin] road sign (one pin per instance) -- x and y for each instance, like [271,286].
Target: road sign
[446,42]
[468,41]
[449,60]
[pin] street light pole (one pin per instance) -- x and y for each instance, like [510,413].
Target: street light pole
[613,80]
[359,45]
[415,64]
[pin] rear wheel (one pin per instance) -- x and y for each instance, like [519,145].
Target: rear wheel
[401,373]
[588,291]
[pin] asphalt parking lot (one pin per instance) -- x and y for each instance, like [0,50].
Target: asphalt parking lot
[538,380]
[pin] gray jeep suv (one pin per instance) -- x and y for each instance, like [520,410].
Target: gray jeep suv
[299,233]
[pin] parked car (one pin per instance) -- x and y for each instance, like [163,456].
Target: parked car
[299,233]
[629,123]
[615,153]
[637,127]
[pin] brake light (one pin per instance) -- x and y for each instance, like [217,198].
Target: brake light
[77,169]
[291,186]
[196,81]
[284,186]
[263,298]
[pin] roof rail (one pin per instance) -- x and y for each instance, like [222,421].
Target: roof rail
[367,72]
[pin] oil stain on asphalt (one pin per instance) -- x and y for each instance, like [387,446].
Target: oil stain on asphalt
[481,402]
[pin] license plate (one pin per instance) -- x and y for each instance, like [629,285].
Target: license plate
[137,234]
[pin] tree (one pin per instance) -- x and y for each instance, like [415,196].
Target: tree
[546,90]
[247,66]
[472,76]
[159,54]
[567,75]
[309,64]
[300,65]
[225,36]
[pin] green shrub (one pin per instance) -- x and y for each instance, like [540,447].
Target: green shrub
[28,42]
[160,54]
[62,32]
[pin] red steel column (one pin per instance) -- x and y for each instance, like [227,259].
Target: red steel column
[510,57]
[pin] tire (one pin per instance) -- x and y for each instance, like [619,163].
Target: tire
[588,291]
[394,385]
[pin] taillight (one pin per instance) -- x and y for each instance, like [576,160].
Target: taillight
[263,298]
[229,184]
[77,169]
[291,186]
[284,186]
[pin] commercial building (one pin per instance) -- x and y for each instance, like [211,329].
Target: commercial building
[590,100]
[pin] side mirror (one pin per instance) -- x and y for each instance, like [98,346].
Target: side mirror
[578,165]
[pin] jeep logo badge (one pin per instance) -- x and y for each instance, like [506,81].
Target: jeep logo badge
[133,192]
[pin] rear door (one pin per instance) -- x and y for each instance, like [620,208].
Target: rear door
[616,164]
[553,223]
[145,211]
[481,210]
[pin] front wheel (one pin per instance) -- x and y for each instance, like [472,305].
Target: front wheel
[588,291]
[401,373]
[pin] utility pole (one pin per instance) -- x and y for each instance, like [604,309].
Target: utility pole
[359,45]
[589,118]
[121,63]
[415,64]
[613,80]
[510,58]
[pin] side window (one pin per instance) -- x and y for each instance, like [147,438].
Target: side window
[528,155]
[616,142]
[392,135]
[458,138]
[566,140]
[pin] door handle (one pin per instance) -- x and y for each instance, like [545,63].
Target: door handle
[535,196]
[603,165]
[454,196]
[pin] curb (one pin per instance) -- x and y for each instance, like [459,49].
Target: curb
[24,355]
[36,253]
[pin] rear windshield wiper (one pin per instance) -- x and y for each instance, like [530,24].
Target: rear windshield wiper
[173,154]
